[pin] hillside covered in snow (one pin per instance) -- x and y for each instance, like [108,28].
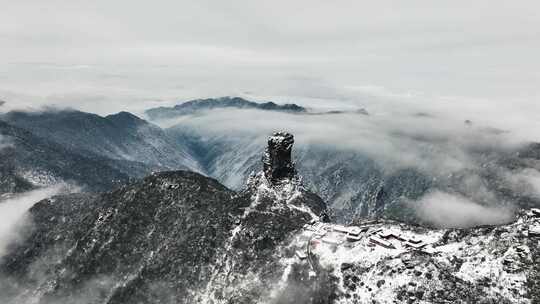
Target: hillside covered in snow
[180,237]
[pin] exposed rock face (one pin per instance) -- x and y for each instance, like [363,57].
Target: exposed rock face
[277,163]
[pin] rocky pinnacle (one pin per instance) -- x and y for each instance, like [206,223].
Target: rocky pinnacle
[277,163]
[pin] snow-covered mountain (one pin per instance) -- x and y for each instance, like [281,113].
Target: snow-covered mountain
[121,136]
[94,152]
[180,237]
[28,161]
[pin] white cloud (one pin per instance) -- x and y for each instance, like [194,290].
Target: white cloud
[395,139]
[13,211]
[5,142]
[475,59]
[444,148]
[453,211]
[526,181]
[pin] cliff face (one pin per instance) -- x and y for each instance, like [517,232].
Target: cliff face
[180,237]
[277,163]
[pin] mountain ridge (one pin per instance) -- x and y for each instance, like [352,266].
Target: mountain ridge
[122,136]
[197,105]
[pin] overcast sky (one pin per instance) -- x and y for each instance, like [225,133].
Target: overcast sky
[106,56]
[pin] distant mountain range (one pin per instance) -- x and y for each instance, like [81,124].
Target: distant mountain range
[198,105]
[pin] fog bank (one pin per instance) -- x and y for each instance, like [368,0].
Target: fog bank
[454,211]
[13,212]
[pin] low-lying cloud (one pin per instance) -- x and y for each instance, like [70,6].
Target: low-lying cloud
[468,158]
[454,211]
[437,145]
[5,142]
[13,211]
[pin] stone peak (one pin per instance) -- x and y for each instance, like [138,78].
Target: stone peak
[277,160]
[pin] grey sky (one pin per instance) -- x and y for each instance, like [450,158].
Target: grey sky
[105,56]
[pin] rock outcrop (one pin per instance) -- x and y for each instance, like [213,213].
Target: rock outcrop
[277,159]
[279,207]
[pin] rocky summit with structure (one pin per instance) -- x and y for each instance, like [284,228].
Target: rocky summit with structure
[277,160]
[180,237]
